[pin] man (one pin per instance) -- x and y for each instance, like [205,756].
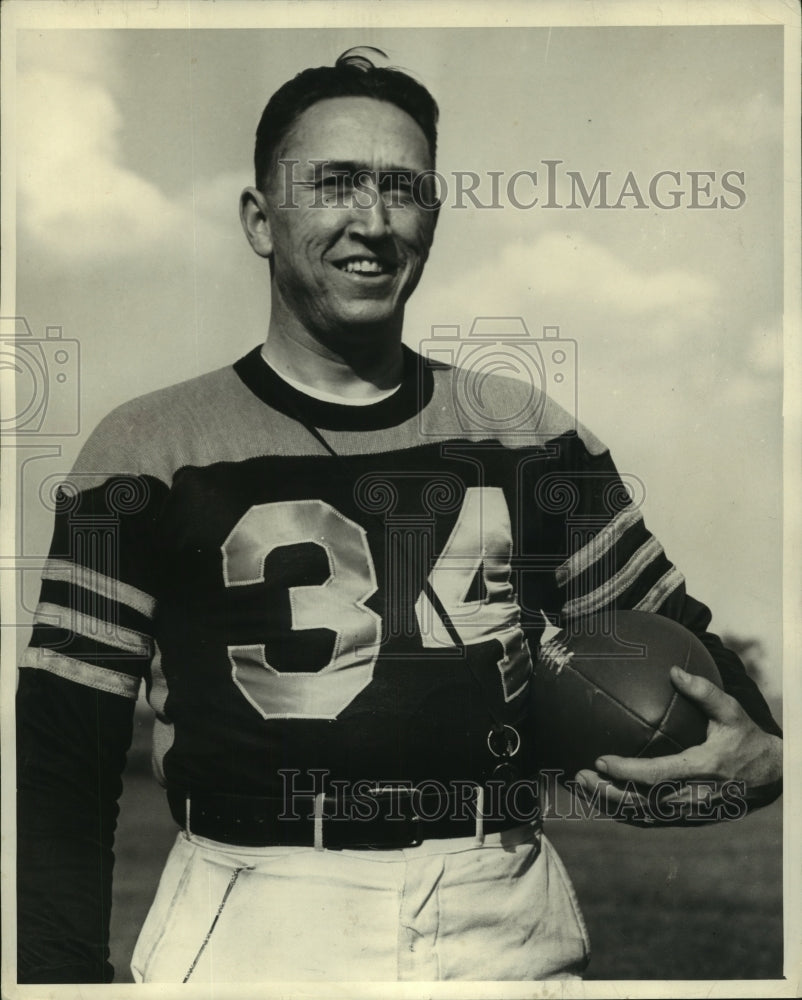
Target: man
[332,588]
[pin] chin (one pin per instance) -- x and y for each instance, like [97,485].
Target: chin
[368,321]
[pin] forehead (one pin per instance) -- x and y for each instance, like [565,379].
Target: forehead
[358,130]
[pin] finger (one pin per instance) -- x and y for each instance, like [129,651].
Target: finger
[622,804]
[605,794]
[714,702]
[695,794]
[596,791]
[701,802]
[691,763]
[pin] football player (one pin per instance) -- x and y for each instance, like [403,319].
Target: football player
[330,574]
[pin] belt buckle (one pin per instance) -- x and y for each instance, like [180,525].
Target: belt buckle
[409,817]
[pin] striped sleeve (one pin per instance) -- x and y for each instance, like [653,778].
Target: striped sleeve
[94,621]
[620,566]
[92,642]
[612,562]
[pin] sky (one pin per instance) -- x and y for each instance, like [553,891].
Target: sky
[133,147]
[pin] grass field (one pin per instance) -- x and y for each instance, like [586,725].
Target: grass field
[659,904]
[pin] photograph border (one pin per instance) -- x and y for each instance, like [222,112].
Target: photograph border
[175,14]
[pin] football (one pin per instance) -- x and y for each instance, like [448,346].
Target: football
[603,687]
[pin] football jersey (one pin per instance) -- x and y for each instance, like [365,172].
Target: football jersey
[306,586]
[311,586]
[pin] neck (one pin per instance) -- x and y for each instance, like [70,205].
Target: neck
[366,365]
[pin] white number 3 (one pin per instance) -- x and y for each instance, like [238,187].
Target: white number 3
[338,604]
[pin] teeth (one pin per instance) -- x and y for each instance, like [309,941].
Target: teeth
[364,266]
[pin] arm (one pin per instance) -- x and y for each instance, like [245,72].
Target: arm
[621,565]
[743,740]
[71,746]
[92,643]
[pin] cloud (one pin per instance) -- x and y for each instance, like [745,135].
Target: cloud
[665,340]
[749,124]
[753,382]
[77,199]
[570,263]
[567,277]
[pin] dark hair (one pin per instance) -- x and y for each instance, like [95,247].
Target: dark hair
[353,75]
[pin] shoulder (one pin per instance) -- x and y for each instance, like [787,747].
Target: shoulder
[480,402]
[151,432]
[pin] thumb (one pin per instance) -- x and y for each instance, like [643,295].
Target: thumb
[714,702]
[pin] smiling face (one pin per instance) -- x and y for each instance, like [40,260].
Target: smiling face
[347,237]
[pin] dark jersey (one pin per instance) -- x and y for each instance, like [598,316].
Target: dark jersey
[310,586]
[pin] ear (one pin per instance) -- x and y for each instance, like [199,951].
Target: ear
[253,215]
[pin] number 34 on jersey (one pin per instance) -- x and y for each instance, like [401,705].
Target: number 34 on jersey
[480,542]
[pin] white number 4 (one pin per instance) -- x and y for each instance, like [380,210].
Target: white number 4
[480,543]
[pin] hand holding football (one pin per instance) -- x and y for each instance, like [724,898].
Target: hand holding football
[604,687]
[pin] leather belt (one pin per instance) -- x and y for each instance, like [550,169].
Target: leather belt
[384,816]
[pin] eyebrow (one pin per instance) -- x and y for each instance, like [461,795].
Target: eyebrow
[354,167]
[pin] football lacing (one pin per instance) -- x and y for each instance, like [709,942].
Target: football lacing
[554,655]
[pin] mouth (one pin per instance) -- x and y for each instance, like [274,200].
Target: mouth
[366,267]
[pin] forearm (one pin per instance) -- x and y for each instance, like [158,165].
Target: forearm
[735,680]
[71,745]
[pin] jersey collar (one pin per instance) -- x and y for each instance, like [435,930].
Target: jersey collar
[415,391]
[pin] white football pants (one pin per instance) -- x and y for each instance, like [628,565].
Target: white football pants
[504,909]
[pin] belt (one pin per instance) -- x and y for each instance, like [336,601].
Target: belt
[381,816]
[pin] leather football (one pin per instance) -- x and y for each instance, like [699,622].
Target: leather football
[603,687]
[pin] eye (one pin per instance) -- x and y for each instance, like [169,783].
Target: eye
[333,188]
[397,187]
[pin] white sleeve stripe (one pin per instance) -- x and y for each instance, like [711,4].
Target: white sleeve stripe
[106,586]
[93,628]
[660,591]
[597,546]
[88,674]
[617,584]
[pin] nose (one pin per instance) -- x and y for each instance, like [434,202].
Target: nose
[369,215]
